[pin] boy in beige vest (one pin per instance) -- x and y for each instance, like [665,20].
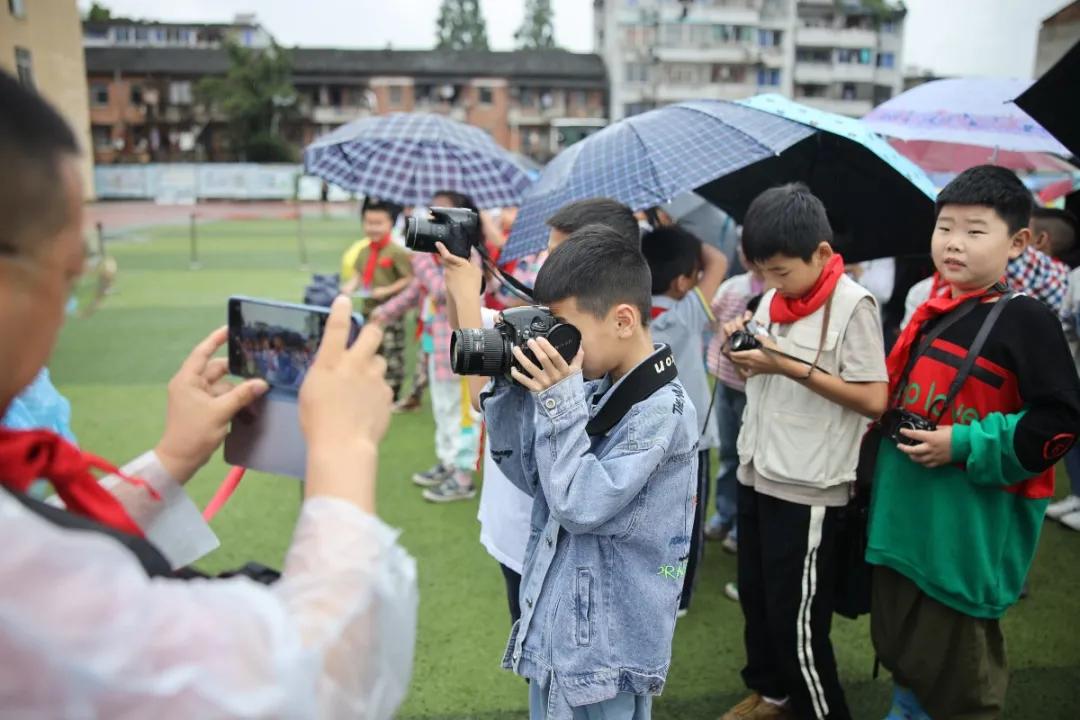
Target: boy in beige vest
[811,387]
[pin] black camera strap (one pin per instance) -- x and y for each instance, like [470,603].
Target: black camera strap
[515,286]
[648,377]
[943,324]
[972,355]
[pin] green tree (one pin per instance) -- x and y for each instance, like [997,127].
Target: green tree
[461,26]
[537,31]
[98,13]
[256,95]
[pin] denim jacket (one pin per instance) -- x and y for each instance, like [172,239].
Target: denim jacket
[610,536]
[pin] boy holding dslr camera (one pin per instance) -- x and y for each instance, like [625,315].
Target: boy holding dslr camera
[605,442]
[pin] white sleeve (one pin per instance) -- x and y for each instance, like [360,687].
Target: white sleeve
[84,632]
[879,277]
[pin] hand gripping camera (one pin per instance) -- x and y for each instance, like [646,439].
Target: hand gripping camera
[456,228]
[490,352]
[741,340]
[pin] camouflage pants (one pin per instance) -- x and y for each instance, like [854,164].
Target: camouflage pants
[393,350]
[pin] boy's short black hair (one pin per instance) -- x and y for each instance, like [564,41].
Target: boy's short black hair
[373,204]
[671,251]
[596,268]
[34,140]
[994,187]
[598,211]
[1062,226]
[788,220]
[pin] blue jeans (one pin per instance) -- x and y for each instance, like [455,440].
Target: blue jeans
[1072,466]
[623,706]
[730,404]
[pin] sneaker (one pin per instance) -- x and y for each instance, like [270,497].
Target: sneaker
[905,706]
[681,613]
[409,404]
[716,529]
[731,591]
[432,477]
[730,545]
[1058,510]
[451,489]
[756,708]
[1072,520]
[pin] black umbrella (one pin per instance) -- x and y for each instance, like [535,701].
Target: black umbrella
[1054,100]
[879,204]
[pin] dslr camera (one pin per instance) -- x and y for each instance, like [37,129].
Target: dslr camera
[741,340]
[895,420]
[490,352]
[456,228]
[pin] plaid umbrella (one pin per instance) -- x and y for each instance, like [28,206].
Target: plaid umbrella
[406,158]
[648,159]
[880,204]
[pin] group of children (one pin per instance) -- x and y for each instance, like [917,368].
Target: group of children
[608,452]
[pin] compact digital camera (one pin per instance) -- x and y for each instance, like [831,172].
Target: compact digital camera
[490,352]
[741,340]
[456,228]
[895,420]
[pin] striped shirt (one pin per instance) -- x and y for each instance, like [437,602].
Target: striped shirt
[729,304]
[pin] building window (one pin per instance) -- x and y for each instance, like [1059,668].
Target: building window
[487,96]
[769,38]
[768,77]
[637,72]
[886,60]
[136,95]
[17,7]
[888,26]
[142,35]
[724,33]
[682,73]
[24,67]
[99,94]
[848,92]
[395,95]
[123,35]
[102,135]
[180,92]
[809,55]
[579,99]
[527,98]
[636,108]
[673,35]
[729,73]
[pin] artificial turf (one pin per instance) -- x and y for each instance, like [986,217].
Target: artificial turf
[114,365]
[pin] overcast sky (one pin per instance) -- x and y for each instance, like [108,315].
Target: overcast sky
[949,37]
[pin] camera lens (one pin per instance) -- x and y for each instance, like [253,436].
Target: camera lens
[478,352]
[566,339]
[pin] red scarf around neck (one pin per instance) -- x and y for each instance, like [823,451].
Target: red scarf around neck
[377,246]
[787,310]
[27,455]
[936,306]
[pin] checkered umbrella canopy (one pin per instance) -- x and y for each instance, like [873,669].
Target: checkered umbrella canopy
[648,159]
[407,157]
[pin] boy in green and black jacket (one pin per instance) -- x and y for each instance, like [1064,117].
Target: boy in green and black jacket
[956,514]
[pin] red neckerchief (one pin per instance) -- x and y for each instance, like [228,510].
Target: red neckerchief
[376,247]
[786,310]
[936,306]
[27,455]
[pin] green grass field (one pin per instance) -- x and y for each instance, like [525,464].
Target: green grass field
[114,366]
